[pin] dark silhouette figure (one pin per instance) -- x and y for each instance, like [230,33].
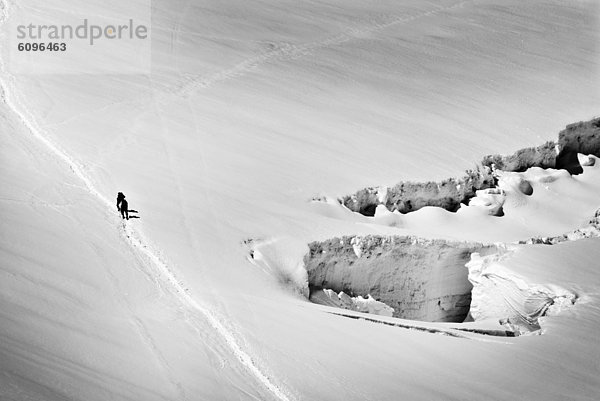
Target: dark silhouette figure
[122,205]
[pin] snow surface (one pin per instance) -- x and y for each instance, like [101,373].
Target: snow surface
[251,110]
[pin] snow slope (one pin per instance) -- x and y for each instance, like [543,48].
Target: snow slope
[253,108]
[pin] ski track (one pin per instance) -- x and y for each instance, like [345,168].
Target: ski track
[139,325]
[135,239]
[288,51]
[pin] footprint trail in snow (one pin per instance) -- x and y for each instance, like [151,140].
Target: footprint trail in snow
[135,239]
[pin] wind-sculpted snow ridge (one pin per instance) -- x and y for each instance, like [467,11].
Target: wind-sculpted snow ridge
[136,240]
[517,303]
[420,279]
[406,197]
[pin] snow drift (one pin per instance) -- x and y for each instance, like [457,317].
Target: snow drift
[499,293]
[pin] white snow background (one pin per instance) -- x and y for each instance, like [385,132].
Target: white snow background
[251,109]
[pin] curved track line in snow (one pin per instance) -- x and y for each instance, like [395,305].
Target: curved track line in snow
[289,51]
[139,244]
[135,239]
[454,332]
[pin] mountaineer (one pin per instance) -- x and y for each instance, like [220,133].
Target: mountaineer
[122,205]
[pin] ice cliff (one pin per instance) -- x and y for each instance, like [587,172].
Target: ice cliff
[419,279]
[578,138]
[405,197]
